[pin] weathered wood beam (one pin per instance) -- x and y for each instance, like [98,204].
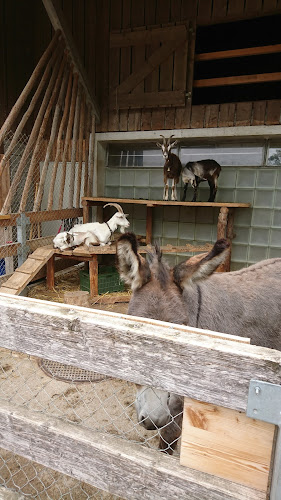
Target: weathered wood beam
[146,36]
[172,357]
[58,21]
[45,215]
[109,463]
[249,51]
[148,99]
[237,80]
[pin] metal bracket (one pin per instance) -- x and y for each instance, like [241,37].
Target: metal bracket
[264,403]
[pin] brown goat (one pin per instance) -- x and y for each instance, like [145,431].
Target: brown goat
[172,167]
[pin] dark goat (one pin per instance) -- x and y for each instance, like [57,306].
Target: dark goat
[198,171]
[172,167]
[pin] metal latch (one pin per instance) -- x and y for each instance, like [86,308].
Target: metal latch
[264,403]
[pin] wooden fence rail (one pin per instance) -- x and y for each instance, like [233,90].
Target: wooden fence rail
[207,366]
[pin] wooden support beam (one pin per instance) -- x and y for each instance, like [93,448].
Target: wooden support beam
[133,349]
[57,19]
[112,464]
[146,36]
[148,99]
[237,80]
[249,51]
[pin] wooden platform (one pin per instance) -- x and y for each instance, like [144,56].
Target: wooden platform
[224,225]
[24,274]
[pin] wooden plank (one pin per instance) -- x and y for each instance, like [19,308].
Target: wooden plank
[11,291]
[125,347]
[235,8]
[249,51]
[183,115]
[148,99]
[259,109]
[112,464]
[243,113]
[197,116]
[211,115]
[237,80]
[226,443]
[17,281]
[219,10]
[99,200]
[9,250]
[227,115]
[47,215]
[57,19]
[125,61]
[29,266]
[146,36]
[43,253]
[114,64]
[93,275]
[273,112]
[253,7]
[204,11]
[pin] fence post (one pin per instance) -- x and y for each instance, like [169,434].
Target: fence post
[22,222]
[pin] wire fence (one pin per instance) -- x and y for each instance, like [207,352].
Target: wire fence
[76,396]
[22,236]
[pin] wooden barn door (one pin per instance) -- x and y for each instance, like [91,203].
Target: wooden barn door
[158,68]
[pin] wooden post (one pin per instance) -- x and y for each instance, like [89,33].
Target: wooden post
[59,141]
[148,238]
[91,156]
[55,83]
[221,231]
[67,141]
[93,275]
[80,152]
[39,196]
[74,149]
[51,273]
[31,82]
[87,141]
[86,211]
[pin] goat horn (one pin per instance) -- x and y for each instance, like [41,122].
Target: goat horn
[169,140]
[164,140]
[116,205]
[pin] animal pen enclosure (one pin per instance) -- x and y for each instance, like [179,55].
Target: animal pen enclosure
[91,435]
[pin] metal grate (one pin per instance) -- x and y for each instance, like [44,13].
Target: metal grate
[69,373]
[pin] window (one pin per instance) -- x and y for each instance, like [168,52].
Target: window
[274,156]
[226,155]
[238,61]
[132,156]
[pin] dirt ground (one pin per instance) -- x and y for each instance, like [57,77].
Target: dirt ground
[107,405]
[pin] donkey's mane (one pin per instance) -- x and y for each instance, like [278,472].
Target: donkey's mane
[159,268]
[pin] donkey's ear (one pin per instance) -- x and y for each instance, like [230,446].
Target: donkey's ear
[192,271]
[131,266]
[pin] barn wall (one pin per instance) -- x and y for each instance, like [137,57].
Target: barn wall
[25,31]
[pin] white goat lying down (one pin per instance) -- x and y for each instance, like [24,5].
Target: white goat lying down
[93,233]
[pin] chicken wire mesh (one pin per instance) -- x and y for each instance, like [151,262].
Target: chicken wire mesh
[17,241]
[107,406]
